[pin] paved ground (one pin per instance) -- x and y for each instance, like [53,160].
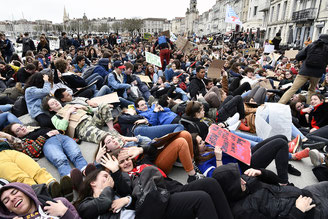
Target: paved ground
[305,166]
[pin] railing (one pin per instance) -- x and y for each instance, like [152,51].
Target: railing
[303,15]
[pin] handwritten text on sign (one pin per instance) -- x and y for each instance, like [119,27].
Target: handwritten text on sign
[229,143]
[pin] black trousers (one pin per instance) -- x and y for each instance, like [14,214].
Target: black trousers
[319,135]
[273,148]
[236,89]
[202,198]
[229,107]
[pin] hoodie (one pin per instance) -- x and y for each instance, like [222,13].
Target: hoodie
[102,67]
[71,213]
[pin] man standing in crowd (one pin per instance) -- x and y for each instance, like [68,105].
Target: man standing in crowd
[164,44]
[64,43]
[27,42]
[313,67]
[6,47]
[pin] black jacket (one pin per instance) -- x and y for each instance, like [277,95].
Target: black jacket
[196,87]
[195,126]
[302,55]
[263,198]
[126,122]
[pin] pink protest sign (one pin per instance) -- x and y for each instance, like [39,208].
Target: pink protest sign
[230,143]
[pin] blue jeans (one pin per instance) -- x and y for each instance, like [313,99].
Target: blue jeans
[6,118]
[5,108]
[125,102]
[103,91]
[59,149]
[251,138]
[184,94]
[296,132]
[158,130]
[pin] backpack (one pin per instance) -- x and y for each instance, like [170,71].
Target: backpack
[317,55]
[161,40]
[150,191]
[20,107]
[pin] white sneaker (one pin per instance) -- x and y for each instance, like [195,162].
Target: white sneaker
[233,120]
[316,157]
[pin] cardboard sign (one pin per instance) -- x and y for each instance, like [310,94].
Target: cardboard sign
[162,141]
[271,73]
[153,59]
[250,51]
[184,45]
[144,78]
[291,54]
[166,34]
[108,98]
[202,46]
[229,143]
[268,48]
[214,71]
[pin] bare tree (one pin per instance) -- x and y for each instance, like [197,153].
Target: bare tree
[104,28]
[117,26]
[132,24]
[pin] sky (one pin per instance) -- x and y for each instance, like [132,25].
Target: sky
[54,9]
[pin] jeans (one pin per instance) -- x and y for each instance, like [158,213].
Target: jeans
[5,108]
[59,149]
[158,130]
[6,118]
[251,138]
[103,91]
[125,102]
[184,94]
[296,132]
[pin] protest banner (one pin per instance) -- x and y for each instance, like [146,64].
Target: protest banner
[230,143]
[147,36]
[153,59]
[173,38]
[268,48]
[184,45]
[214,71]
[108,98]
[291,54]
[202,46]
[257,46]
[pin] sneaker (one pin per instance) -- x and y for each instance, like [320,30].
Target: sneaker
[232,120]
[54,189]
[195,177]
[243,127]
[316,157]
[313,144]
[67,187]
[292,170]
[302,154]
[77,178]
[293,144]
[235,126]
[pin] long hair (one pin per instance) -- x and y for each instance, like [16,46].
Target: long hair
[86,189]
[197,154]
[35,80]
[193,107]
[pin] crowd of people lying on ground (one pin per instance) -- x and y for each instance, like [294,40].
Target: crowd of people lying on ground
[54,91]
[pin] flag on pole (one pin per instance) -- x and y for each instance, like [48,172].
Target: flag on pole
[232,17]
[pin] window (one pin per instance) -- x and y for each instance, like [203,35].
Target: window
[255,10]
[278,11]
[272,12]
[283,15]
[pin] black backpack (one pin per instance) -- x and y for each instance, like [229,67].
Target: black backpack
[317,55]
[20,107]
[150,191]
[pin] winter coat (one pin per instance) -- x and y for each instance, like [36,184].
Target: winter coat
[319,115]
[263,197]
[197,86]
[71,212]
[159,118]
[309,70]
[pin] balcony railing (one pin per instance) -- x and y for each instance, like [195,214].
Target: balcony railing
[303,15]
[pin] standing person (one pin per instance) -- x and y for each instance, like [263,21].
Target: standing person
[28,44]
[164,45]
[313,67]
[64,43]
[6,47]
[43,44]
[276,41]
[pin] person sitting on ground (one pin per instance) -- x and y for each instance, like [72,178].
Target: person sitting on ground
[80,121]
